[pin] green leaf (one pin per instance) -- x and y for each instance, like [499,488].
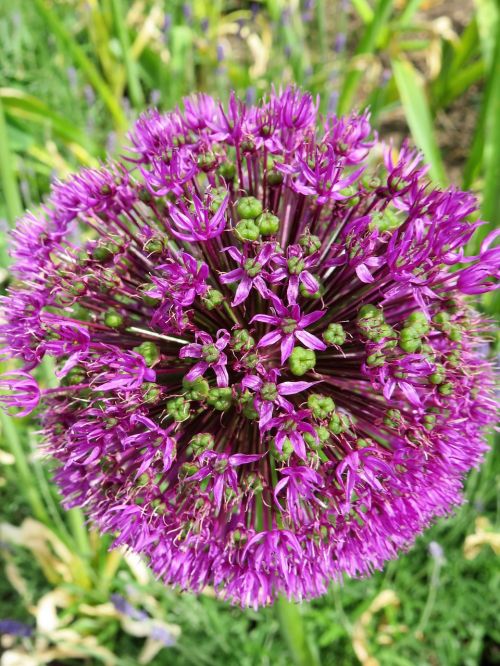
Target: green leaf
[366,46]
[294,633]
[418,116]
[83,62]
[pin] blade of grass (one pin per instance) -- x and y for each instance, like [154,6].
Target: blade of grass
[22,106]
[134,86]
[490,209]
[418,116]
[294,633]
[27,482]
[82,62]
[366,46]
[7,173]
[364,11]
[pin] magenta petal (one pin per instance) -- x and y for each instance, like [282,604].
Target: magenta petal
[290,388]
[190,351]
[287,345]
[364,274]
[269,339]
[243,290]
[310,341]
[309,319]
[197,371]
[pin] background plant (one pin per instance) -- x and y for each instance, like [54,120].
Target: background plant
[74,75]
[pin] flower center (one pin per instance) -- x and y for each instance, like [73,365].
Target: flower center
[289,325]
[210,353]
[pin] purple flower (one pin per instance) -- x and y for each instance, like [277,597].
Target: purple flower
[290,325]
[268,374]
[211,356]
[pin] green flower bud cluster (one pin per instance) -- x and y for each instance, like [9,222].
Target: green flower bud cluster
[416,326]
[320,405]
[149,351]
[393,419]
[334,335]
[75,376]
[386,220]
[371,323]
[105,251]
[197,389]
[213,298]
[301,361]
[254,222]
[322,437]
[155,245]
[227,170]
[339,423]
[242,340]
[285,453]
[203,441]
[178,409]
[151,392]
[217,197]
[113,318]
[220,398]
[246,400]
[309,243]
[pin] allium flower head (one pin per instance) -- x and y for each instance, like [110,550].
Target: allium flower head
[269,372]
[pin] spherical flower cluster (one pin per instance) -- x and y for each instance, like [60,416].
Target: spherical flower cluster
[269,374]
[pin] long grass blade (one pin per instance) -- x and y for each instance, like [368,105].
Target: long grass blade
[418,116]
[7,172]
[83,62]
[134,86]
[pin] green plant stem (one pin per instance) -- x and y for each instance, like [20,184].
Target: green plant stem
[76,520]
[431,597]
[134,86]
[83,62]
[294,633]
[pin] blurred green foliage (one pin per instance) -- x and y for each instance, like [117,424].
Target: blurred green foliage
[75,73]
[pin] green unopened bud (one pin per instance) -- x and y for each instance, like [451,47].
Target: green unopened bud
[316,443]
[202,442]
[429,421]
[454,333]
[320,405]
[418,322]
[274,177]
[249,208]
[368,311]
[197,389]
[247,230]
[220,398]
[186,470]
[77,288]
[410,340]
[246,401]
[286,451]
[441,318]
[269,391]
[227,170]
[301,361]
[393,418]
[339,423]
[178,409]
[150,392]
[334,335]
[242,340]
[149,351]
[213,298]
[207,161]
[446,388]
[269,224]
[376,360]
[438,375]
[154,245]
[210,353]
[309,243]
[113,319]
[105,251]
